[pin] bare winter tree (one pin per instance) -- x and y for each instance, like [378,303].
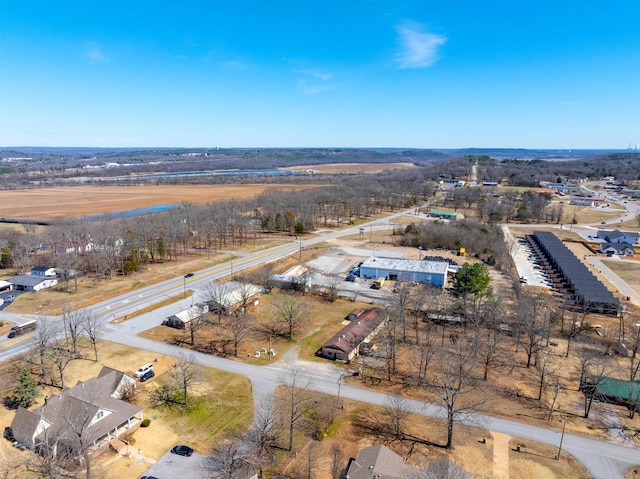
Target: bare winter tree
[333,288]
[185,373]
[531,324]
[92,328]
[226,460]
[239,328]
[596,372]
[440,469]
[454,383]
[73,321]
[292,310]
[547,368]
[215,295]
[263,435]
[336,456]
[44,338]
[310,461]
[296,401]
[61,356]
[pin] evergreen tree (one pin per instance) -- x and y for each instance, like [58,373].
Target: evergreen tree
[27,389]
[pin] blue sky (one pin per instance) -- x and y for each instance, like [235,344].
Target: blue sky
[326,73]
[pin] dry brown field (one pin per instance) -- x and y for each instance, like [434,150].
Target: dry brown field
[352,167]
[79,201]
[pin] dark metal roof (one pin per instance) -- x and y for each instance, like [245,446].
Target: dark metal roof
[589,291]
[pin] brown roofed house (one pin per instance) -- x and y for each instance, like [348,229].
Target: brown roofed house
[346,343]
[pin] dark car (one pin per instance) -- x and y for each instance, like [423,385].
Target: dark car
[148,375]
[182,450]
[351,278]
[148,477]
[188,275]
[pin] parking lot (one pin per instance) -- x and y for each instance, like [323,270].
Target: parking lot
[529,266]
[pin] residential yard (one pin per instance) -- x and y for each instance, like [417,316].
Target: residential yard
[222,402]
[324,320]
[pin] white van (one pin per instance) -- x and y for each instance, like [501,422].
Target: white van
[143,369]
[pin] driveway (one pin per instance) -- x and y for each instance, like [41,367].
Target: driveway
[174,466]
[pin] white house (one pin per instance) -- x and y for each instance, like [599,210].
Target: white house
[32,283]
[181,319]
[232,295]
[623,249]
[43,272]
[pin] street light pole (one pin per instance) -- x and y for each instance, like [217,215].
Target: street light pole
[184,284]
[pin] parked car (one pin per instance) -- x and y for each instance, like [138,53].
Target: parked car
[148,375]
[182,450]
[142,370]
[350,277]
[8,298]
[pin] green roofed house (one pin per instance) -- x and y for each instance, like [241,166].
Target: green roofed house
[446,215]
[617,391]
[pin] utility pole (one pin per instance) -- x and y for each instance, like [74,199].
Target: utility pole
[564,425]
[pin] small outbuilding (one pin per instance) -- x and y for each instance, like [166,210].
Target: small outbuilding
[446,214]
[181,319]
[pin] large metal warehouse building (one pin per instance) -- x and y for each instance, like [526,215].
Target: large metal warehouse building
[395,269]
[587,290]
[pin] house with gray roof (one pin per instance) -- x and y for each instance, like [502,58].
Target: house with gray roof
[617,236]
[623,249]
[29,282]
[86,417]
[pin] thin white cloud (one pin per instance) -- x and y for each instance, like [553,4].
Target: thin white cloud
[311,88]
[418,49]
[315,73]
[95,55]
[312,80]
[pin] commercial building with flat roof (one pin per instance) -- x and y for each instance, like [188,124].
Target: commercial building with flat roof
[396,269]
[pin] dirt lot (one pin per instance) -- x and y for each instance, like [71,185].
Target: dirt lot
[50,203]
[353,167]
[475,449]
